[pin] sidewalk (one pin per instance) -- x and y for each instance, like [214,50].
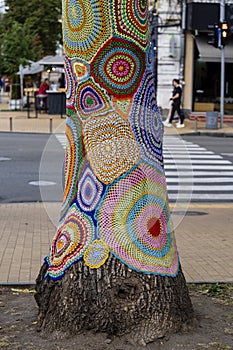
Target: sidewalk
[204,242]
[17,121]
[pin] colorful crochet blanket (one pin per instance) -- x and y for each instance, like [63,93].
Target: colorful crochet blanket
[115,197]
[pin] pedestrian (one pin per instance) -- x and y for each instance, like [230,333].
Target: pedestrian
[1,84]
[42,95]
[7,85]
[169,113]
[175,107]
[44,87]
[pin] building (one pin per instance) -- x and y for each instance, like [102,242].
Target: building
[168,49]
[184,53]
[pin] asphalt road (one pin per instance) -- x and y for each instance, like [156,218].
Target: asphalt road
[220,145]
[26,159]
[29,160]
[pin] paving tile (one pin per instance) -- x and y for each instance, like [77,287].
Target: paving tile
[205,250]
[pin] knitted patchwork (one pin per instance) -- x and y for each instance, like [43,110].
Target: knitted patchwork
[111,147]
[119,67]
[73,161]
[115,197]
[146,121]
[122,106]
[131,20]
[90,190]
[134,220]
[69,84]
[86,27]
[91,100]
[96,254]
[73,237]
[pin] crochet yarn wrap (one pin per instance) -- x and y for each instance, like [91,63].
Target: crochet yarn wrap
[115,197]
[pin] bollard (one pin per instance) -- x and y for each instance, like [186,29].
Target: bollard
[11,124]
[196,120]
[51,125]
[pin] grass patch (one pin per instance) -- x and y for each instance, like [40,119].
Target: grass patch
[218,291]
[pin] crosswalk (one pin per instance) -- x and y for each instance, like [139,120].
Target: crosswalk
[196,174]
[62,139]
[193,173]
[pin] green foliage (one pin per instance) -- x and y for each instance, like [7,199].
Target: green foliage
[217,290]
[29,31]
[220,292]
[16,43]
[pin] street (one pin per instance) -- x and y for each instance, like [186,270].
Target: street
[198,168]
[20,161]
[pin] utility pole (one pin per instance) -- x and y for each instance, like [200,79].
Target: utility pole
[183,27]
[154,39]
[219,37]
[222,88]
[21,84]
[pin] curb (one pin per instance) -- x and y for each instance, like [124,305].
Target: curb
[17,284]
[204,133]
[27,132]
[207,133]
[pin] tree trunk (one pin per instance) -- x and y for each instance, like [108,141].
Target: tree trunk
[113,265]
[115,300]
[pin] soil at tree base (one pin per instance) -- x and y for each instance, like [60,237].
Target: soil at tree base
[213,328]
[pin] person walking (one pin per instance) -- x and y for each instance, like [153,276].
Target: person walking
[176,101]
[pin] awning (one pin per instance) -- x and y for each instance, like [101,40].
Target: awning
[56,60]
[32,68]
[209,53]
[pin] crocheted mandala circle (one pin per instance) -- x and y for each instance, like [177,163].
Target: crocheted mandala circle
[119,67]
[91,100]
[110,145]
[81,69]
[72,239]
[96,254]
[146,121]
[70,84]
[134,221]
[131,20]
[72,160]
[86,27]
[90,190]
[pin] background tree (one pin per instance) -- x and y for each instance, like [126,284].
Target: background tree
[17,43]
[29,30]
[113,265]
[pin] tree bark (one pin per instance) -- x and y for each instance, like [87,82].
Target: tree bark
[115,300]
[113,265]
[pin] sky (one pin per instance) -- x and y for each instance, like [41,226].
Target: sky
[2,5]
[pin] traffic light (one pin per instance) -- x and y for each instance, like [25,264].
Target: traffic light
[214,35]
[224,32]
